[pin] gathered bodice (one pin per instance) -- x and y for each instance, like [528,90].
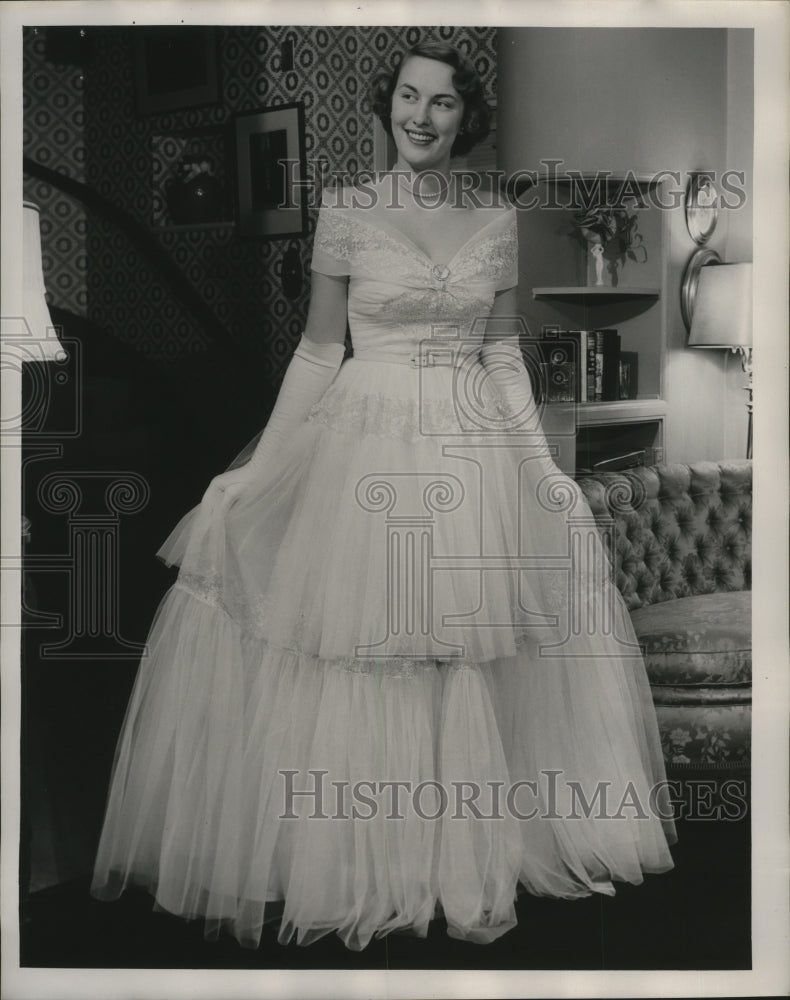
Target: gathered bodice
[399,299]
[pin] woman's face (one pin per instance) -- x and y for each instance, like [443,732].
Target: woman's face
[426,115]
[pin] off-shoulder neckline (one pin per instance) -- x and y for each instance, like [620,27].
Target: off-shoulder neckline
[398,236]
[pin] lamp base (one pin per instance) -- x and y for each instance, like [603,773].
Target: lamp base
[746,364]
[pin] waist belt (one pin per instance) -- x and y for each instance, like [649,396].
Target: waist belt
[430,357]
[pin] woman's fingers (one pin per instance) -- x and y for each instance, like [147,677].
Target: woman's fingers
[220,497]
[228,494]
[222,491]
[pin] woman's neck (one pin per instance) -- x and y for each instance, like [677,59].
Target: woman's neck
[429,180]
[426,186]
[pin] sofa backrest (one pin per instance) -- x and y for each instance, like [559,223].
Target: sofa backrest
[678,530]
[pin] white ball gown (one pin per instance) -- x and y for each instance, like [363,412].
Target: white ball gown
[395,599]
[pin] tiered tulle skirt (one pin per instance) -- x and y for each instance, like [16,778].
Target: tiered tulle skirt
[392,681]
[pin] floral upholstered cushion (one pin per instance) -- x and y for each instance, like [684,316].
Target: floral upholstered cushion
[705,736]
[697,640]
[681,540]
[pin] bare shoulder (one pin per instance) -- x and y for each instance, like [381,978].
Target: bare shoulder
[482,191]
[498,215]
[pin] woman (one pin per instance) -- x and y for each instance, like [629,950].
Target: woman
[362,703]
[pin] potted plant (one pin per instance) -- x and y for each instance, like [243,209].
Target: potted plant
[194,194]
[609,237]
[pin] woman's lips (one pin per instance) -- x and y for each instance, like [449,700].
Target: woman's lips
[419,138]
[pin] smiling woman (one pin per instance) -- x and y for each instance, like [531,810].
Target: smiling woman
[382,602]
[433,108]
[446,78]
[426,115]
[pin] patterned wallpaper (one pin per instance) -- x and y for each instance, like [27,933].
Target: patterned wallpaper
[238,279]
[54,134]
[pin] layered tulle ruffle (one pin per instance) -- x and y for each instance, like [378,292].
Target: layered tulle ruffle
[366,701]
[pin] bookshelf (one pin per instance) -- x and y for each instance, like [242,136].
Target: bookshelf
[574,292]
[553,296]
[589,414]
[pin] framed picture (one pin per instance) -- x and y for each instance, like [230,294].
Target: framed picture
[175,68]
[701,207]
[270,166]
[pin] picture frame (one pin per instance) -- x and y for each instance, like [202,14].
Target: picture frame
[269,146]
[701,207]
[175,68]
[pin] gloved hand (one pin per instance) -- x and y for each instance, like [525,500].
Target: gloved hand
[312,368]
[224,488]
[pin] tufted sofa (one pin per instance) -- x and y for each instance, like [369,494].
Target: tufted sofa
[682,547]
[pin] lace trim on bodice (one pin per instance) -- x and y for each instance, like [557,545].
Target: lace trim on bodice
[375,251]
[388,417]
[498,253]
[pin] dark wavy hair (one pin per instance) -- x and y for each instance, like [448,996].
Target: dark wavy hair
[476,121]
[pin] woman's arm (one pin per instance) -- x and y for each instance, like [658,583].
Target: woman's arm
[505,307]
[312,368]
[327,316]
[503,361]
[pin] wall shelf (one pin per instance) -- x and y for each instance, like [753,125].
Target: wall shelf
[608,180]
[554,298]
[605,292]
[631,410]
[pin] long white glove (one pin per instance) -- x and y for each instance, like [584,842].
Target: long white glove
[310,371]
[504,364]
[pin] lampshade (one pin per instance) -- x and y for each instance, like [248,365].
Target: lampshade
[34,301]
[723,307]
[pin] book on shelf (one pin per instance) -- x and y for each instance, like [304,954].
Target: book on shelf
[629,374]
[592,366]
[595,356]
[607,365]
